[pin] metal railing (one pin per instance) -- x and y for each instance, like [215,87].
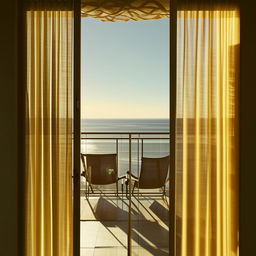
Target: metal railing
[130,137]
[134,144]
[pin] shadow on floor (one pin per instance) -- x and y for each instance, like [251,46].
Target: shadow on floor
[148,232]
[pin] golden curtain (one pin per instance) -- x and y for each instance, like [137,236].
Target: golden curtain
[207,169]
[48,176]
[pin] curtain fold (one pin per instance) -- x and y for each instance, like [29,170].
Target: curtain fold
[207,127]
[48,172]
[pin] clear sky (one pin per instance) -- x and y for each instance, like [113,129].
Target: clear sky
[125,69]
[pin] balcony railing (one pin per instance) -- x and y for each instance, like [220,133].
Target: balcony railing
[130,147]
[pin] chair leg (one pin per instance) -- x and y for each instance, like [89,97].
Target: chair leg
[133,187]
[117,188]
[164,194]
[85,191]
[91,188]
[126,188]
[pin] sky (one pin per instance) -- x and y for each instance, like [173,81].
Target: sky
[125,69]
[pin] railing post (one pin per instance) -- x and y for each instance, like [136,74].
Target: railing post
[130,203]
[138,156]
[117,153]
[142,148]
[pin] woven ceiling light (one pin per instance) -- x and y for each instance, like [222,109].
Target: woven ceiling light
[125,10]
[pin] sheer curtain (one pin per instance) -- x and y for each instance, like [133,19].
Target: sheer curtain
[48,176]
[207,174]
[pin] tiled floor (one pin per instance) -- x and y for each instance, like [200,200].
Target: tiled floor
[104,226]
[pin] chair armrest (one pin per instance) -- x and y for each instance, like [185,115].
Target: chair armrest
[132,175]
[122,177]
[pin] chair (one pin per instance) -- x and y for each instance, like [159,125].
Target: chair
[100,169]
[153,174]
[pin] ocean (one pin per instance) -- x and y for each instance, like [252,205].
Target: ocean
[156,145]
[125,125]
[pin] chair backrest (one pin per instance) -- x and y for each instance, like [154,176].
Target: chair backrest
[100,169]
[153,172]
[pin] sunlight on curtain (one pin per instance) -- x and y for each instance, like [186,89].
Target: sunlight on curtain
[48,208]
[207,174]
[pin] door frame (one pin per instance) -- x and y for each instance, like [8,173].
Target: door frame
[77,129]
[172,129]
[76,126]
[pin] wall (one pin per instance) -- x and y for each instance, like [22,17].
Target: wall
[8,129]
[248,129]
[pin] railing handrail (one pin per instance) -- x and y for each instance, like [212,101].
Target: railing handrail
[127,133]
[115,138]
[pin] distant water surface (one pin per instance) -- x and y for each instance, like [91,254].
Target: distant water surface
[125,125]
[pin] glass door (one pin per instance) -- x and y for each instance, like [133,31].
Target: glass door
[150,192]
[124,188]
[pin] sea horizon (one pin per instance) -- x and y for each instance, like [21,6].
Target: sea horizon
[125,125]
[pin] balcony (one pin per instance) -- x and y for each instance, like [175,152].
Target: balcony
[110,221]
